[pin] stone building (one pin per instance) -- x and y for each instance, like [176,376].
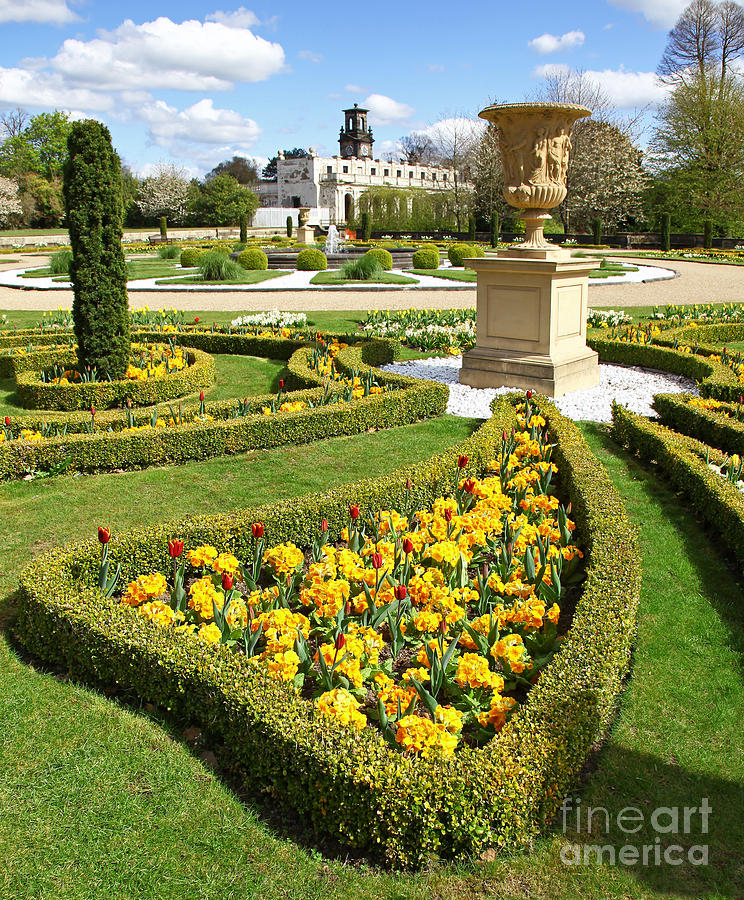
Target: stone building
[336,183]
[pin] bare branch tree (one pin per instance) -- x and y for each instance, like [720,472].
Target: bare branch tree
[14,122]
[417,147]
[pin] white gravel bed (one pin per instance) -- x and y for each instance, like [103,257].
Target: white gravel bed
[631,386]
[644,273]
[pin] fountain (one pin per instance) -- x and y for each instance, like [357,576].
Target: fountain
[532,298]
[333,243]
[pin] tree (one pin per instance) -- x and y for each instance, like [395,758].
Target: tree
[699,138]
[13,122]
[166,193]
[43,204]
[11,210]
[222,201]
[244,171]
[455,141]
[270,168]
[417,148]
[93,203]
[130,188]
[47,133]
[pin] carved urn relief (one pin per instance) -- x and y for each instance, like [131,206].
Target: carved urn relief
[535,141]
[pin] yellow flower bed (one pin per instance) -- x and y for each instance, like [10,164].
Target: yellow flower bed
[428,624]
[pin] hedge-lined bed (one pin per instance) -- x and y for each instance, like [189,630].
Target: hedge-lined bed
[223,430]
[351,786]
[684,461]
[716,379]
[716,424]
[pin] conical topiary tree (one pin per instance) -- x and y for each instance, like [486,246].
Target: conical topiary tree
[93,204]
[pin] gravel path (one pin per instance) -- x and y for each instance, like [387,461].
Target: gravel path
[629,385]
[698,283]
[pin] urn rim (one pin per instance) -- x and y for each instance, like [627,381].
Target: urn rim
[579,110]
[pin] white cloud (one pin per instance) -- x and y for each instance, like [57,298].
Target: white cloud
[198,124]
[662,13]
[386,111]
[43,12]
[626,90]
[240,18]
[550,43]
[608,27]
[190,56]
[23,87]
[454,126]
[354,89]
[310,56]
[435,67]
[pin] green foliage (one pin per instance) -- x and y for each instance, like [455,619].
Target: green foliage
[719,428]
[92,192]
[42,200]
[426,258]
[243,229]
[366,226]
[666,220]
[366,268]
[215,265]
[351,786]
[311,260]
[456,253]
[169,251]
[222,201]
[290,226]
[40,148]
[383,256]
[253,258]
[190,256]
[471,228]
[60,262]
[495,227]
[597,231]
[163,223]
[708,234]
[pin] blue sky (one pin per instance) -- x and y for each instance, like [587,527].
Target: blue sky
[197,82]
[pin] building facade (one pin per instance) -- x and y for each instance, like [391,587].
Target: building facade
[336,183]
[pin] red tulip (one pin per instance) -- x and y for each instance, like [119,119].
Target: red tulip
[92,410]
[324,524]
[281,384]
[400,591]
[7,420]
[354,511]
[257,529]
[408,484]
[462,461]
[201,396]
[175,548]
[196,320]
[407,546]
[529,395]
[227,581]
[377,559]
[503,435]
[104,534]
[469,486]
[340,641]
[448,515]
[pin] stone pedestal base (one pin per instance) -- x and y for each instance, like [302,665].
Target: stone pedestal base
[305,234]
[531,324]
[484,368]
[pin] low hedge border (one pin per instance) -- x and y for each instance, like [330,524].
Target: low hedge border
[13,364]
[715,379]
[707,425]
[33,393]
[351,787]
[682,461]
[411,401]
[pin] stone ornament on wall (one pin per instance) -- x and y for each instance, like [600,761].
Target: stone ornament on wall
[535,142]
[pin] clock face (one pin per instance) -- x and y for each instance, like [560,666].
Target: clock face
[365,150]
[348,149]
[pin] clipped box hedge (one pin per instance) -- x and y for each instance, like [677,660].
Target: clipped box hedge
[707,425]
[410,401]
[681,459]
[33,393]
[351,787]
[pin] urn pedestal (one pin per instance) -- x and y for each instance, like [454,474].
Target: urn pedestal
[531,324]
[306,234]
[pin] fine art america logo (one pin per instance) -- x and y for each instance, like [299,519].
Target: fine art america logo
[685,823]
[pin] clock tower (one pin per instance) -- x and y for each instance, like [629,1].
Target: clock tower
[356,138]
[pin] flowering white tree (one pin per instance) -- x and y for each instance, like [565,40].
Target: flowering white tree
[10,202]
[165,193]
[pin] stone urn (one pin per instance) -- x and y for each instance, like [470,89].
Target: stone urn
[304,214]
[535,141]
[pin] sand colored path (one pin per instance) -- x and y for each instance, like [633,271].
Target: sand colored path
[698,283]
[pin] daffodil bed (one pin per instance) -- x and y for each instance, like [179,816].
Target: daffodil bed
[686,463]
[392,755]
[157,372]
[335,392]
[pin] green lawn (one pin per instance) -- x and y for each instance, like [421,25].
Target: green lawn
[101,800]
[249,276]
[335,276]
[450,274]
